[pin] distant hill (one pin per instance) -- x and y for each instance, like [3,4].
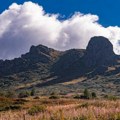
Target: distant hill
[96,68]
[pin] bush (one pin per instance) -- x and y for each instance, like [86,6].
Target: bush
[8,104]
[32,93]
[84,105]
[10,94]
[87,95]
[12,107]
[20,101]
[80,118]
[77,97]
[2,94]
[54,97]
[36,109]
[110,97]
[23,94]
[36,97]
[93,94]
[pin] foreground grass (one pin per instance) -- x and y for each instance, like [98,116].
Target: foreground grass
[62,109]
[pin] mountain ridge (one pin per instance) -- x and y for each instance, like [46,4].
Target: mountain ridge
[45,67]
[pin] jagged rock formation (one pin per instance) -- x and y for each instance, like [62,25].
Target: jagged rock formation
[99,52]
[43,66]
[38,57]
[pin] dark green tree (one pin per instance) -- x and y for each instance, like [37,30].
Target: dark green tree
[32,93]
[93,94]
[87,94]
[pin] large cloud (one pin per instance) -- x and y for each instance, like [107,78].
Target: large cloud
[24,25]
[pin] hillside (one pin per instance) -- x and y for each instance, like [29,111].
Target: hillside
[96,68]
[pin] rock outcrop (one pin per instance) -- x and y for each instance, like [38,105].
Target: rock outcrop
[99,52]
[75,62]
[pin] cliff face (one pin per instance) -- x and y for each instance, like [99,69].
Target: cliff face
[99,52]
[97,56]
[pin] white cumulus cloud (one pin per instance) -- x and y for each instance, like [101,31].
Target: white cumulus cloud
[28,24]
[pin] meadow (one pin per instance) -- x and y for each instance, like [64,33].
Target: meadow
[44,108]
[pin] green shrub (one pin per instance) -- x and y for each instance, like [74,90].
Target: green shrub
[36,97]
[32,93]
[77,97]
[84,105]
[110,97]
[114,117]
[93,94]
[36,109]
[2,94]
[12,107]
[87,94]
[23,94]
[20,101]
[80,118]
[10,94]
[8,104]
[54,97]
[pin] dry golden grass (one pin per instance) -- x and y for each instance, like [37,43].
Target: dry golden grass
[66,109]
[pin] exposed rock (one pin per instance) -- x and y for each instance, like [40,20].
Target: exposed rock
[99,52]
[67,60]
[47,66]
[37,58]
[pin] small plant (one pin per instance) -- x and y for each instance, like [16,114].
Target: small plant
[110,97]
[8,104]
[87,94]
[77,96]
[93,94]
[36,109]
[20,101]
[10,94]
[32,93]
[2,94]
[80,118]
[23,94]
[36,97]
[53,96]
[84,105]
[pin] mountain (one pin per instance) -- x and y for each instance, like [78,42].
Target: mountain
[46,69]
[99,52]
[36,58]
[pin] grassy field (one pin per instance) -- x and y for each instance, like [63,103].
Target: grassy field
[59,109]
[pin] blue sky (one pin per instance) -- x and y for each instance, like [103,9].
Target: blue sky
[107,10]
[26,23]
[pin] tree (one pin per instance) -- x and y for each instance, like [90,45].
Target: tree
[32,93]
[93,94]
[87,95]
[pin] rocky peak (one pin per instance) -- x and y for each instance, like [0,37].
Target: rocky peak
[41,53]
[40,49]
[99,52]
